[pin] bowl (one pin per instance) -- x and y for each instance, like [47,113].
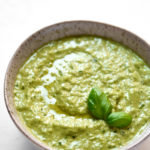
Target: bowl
[58,31]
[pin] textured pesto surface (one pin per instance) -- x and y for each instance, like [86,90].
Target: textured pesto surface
[52,87]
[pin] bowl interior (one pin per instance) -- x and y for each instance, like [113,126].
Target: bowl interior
[65,29]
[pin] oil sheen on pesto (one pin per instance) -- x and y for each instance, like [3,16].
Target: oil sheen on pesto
[53,85]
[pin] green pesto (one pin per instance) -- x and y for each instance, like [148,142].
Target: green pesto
[52,88]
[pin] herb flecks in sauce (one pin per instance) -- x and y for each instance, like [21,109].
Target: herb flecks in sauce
[63,97]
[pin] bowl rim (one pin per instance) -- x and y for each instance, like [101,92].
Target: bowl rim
[20,127]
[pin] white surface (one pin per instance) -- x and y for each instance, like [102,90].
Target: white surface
[20,18]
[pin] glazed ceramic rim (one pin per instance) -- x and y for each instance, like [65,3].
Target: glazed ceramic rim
[20,126]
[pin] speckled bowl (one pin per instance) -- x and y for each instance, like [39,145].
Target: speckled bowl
[57,31]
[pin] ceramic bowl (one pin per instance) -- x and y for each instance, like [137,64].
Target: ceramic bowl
[58,31]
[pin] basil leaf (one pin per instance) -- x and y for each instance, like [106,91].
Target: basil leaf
[98,104]
[119,119]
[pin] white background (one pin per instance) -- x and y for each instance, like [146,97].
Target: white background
[20,18]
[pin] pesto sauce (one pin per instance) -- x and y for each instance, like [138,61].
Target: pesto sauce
[53,85]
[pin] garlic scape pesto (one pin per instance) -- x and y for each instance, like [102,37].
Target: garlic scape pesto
[52,88]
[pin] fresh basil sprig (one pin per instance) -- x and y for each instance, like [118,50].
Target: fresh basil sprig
[98,104]
[119,119]
[100,107]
